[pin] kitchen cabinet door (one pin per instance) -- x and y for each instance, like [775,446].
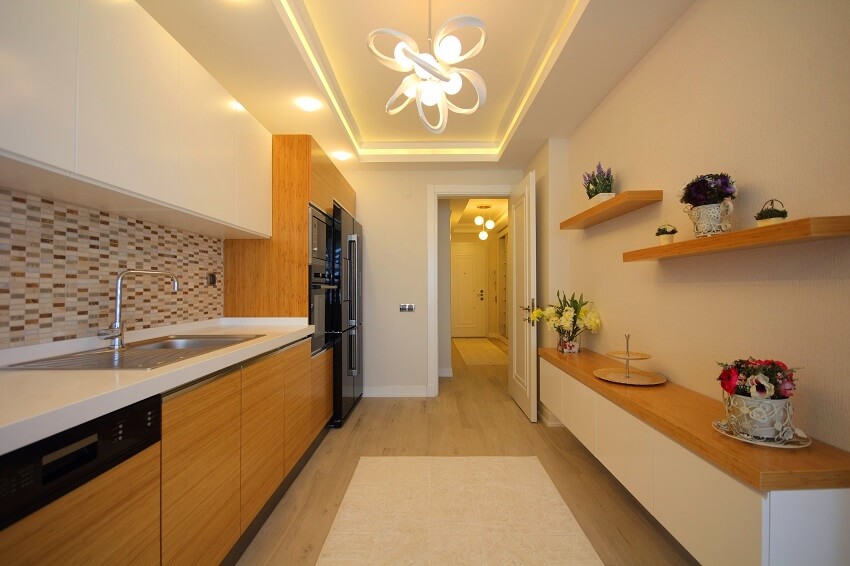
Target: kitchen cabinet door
[38,42]
[112,519]
[322,377]
[128,116]
[200,471]
[298,407]
[262,432]
[254,176]
[208,132]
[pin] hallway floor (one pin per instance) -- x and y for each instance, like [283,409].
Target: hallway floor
[473,416]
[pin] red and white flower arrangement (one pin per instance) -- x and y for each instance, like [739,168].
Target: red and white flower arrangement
[759,379]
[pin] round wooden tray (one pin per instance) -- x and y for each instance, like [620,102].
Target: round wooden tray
[623,355]
[638,377]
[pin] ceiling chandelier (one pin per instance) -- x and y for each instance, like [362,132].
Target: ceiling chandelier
[432,78]
[479,221]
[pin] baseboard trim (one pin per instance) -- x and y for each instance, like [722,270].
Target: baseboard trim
[445,372]
[547,417]
[396,391]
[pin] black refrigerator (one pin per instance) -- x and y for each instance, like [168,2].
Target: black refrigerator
[347,315]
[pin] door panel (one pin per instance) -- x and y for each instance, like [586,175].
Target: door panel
[522,382]
[469,313]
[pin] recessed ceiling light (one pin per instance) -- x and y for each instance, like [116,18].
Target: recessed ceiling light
[236,106]
[341,155]
[308,103]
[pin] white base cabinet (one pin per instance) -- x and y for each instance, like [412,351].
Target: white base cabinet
[718,519]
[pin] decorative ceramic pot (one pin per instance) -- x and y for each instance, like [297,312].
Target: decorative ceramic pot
[769,221]
[759,419]
[711,219]
[568,346]
[666,238]
[599,198]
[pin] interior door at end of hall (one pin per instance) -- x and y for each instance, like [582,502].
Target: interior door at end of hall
[469,309]
[522,381]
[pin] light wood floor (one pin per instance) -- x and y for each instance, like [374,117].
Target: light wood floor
[473,416]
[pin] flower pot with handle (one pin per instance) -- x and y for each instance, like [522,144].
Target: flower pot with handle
[711,219]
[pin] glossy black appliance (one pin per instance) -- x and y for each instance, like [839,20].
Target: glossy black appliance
[33,476]
[347,314]
[321,277]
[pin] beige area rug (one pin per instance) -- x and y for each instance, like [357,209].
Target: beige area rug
[480,352]
[454,510]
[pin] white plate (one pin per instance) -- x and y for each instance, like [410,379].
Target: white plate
[800,439]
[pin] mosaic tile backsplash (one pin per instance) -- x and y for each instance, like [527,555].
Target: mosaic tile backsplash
[59,262]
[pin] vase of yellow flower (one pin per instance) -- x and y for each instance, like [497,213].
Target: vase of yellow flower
[569,318]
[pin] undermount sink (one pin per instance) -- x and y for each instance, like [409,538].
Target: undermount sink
[146,354]
[180,342]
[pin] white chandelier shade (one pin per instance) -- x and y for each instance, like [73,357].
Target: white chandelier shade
[432,78]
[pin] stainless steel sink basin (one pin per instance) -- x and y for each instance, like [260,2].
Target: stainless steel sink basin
[180,342]
[146,354]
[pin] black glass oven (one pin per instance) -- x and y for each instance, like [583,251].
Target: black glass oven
[322,286]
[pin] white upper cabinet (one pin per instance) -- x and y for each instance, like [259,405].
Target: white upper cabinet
[128,119]
[38,74]
[208,141]
[254,176]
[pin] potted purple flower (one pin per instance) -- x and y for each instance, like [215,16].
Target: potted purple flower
[599,184]
[709,199]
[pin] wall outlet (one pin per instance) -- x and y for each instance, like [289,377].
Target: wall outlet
[406,307]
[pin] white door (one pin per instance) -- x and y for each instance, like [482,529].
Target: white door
[469,313]
[522,381]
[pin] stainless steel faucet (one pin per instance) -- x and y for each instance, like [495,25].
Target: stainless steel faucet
[115,332]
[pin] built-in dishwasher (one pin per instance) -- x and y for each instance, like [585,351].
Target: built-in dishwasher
[35,475]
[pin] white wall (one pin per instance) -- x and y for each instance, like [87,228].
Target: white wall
[760,90]
[391,206]
[550,170]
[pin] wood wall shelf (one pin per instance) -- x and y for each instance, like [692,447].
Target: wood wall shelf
[789,232]
[623,203]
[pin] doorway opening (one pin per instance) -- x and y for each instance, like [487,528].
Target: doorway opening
[440,274]
[477,233]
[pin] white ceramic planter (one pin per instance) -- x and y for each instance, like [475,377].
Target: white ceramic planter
[599,199]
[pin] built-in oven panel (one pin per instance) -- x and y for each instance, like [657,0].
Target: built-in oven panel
[322,286]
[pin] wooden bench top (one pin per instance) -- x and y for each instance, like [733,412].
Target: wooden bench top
[686,416]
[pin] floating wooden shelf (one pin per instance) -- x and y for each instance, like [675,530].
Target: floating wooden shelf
[789,232]
[621,204]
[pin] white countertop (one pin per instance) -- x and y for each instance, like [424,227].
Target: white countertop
[35,404]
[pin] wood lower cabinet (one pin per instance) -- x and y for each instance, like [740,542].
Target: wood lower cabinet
[262,432]
[300,431]
[112,519]
[321,377]
[201,471]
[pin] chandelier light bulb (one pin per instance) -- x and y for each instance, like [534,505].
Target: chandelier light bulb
[482,235]
[479,220]
[489,224]
[430,94]
[422,72]
[404,62]
[454,85]
[449,48]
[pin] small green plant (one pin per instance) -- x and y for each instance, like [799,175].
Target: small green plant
[666,228]
[769,210]
[598,181]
